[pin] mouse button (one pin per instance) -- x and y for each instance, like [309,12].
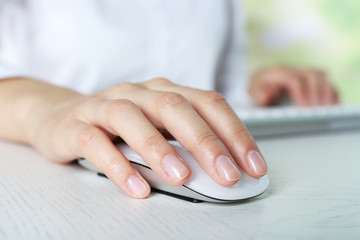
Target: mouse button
[158,184]
[201,182]
[247,181]
[187,156]
[150,176]
[240,190]
[130,154]
[197,173]
[247,178]
[243,189]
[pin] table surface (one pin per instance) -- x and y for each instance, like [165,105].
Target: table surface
[314,193]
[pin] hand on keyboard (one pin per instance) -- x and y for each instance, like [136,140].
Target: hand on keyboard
[307,87]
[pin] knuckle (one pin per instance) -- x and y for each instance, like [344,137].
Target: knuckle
[160,81]
[321,73]
[113,92]
[86,136]
[280,71]
[84,104]
[322,76]
[117,108]
[170,100]
[290,76]
[315,75]
[213,97]
[294,82]
[309,71]
[126,86]
[280,68]
[206,138]
[152,143]
[314,71]
[240,136]
[113,165]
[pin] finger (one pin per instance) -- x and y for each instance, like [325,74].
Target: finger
[295,87]
[330,95]
[324,88]
[315,85]
[284,80]
[262,88]
[268,94]
[93,144]
[227,126]
[173,112]
[335,99]
[123,118]
[263,93]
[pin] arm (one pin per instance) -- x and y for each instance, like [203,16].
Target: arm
[63,125]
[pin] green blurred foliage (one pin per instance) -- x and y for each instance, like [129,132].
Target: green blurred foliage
[323,34]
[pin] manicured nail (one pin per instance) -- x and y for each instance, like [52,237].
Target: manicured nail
[137,187]
[174,167]
[227,168]
[257,163]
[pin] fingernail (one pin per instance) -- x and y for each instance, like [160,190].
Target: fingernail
[227,168]
[174,167]
[257,163]
[137,187]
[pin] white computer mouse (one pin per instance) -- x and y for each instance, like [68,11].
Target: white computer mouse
[200,187]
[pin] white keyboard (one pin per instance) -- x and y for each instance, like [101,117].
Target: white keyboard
[290,120]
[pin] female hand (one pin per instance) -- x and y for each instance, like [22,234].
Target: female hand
[71,125]
[305,87]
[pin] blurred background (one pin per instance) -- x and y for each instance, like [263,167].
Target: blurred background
[320,33]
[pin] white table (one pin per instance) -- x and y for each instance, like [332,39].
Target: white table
[314,193]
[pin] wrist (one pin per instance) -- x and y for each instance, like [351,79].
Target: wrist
[48,105]
[27,103]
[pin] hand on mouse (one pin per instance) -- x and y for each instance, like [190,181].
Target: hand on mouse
[64,125]
[305,87]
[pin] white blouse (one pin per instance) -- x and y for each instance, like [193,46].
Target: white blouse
[89,45]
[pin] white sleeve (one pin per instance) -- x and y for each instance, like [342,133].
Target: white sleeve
[7,71]
[12,24]
[234,79]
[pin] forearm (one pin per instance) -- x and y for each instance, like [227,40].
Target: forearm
[24,103]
